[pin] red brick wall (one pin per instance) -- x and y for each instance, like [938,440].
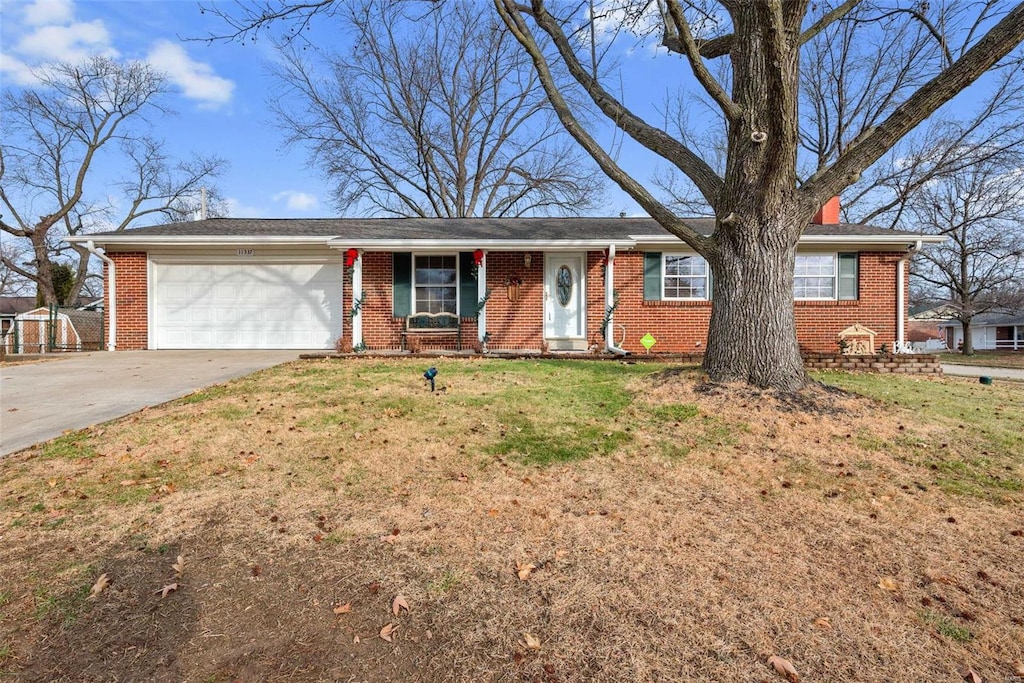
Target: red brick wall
[132,282]
[679,326]
[517,324]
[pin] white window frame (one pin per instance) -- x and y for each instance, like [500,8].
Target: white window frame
[664,277]
[835,277]
[458,280]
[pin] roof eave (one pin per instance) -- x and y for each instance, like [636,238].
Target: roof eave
[909,241]
[196,240]
[464,243]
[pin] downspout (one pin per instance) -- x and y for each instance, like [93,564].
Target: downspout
[900,298]
[609,302]
[111,294]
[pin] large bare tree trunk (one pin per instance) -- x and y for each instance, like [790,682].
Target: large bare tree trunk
[752,336]
[45,292]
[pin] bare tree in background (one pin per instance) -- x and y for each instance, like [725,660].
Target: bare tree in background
[980,209]
[57,134]
[746,58]
[438,115]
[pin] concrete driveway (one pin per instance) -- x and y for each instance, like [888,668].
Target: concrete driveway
[38,401]
[979,370]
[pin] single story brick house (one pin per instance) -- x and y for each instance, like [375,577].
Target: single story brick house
[989,332]
[514,284]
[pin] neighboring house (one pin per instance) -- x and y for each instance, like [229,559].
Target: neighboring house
[233,283]
[989,332]
[10,307]
[923,330]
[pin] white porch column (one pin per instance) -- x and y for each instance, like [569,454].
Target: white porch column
[481,292]
[609,299]
[357,295]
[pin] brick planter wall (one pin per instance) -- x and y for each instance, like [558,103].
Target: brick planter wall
[911,364]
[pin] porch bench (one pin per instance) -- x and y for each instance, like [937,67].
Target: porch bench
[432,324]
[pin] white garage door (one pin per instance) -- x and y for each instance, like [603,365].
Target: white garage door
[247,305]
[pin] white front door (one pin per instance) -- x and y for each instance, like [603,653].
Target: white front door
[564,296]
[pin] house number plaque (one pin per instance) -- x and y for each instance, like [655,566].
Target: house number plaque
[246,252]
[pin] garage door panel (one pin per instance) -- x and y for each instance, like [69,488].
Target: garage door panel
[253,305]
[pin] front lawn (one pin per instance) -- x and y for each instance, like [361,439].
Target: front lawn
[530,520]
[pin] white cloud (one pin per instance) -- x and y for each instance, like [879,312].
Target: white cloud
[297,201]
[48,32]
[15,70]
[196,79]
[71,43]
[237,209]
[44,12]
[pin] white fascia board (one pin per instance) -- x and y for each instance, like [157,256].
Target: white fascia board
[878,241]
[905,239]
[198,240]
[470,244]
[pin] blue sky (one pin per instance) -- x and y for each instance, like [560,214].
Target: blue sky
[220,90]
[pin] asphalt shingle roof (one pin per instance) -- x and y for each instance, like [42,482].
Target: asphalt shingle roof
[448,228]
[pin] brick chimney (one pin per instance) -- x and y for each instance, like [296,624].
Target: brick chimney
[828,214]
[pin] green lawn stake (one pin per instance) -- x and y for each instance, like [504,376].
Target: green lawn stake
[648,341]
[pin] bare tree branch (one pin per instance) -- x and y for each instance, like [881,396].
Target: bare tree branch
[870,146]
[435,116]
[54,135]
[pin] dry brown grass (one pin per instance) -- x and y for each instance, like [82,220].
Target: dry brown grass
[710,528]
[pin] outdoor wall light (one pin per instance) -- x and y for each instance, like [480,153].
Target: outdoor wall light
[527,259]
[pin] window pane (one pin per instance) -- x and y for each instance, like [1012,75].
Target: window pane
[434,279]
[686,277]
[815,276]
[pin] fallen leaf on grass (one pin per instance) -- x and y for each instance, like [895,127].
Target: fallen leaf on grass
[387,632]
[179,566]
[532,641]
[784,668]
[343,609]
[888,584]
[523,570]
[169,588]
[970,675]
[398,603]
[355,640]
[98,587]
[823,623]
[1018,668]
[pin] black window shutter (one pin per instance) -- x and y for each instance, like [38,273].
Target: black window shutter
[652,276]
[848,276]
[467,285]
[401,284]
